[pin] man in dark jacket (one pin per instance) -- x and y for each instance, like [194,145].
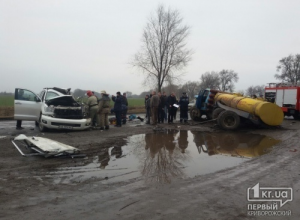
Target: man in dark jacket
[161,108]
[118,108]
[165,98]
[171,109]
[148,108]
[124,108]
[184,107]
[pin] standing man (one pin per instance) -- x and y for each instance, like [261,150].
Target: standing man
[171,109]
[92,102]
[175,109]
[118,108]
[154,102]
[124,107]
[103,110]
[161,110]
[165,98]
[184,107]
[148,108]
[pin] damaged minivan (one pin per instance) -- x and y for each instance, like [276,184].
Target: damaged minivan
[54,108]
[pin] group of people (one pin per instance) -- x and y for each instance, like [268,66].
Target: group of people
[161,108]
[99,109]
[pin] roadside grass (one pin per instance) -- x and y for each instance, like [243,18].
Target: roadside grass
[6,101]
[136,102]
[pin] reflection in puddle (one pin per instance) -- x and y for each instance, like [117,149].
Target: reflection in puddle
[164,157]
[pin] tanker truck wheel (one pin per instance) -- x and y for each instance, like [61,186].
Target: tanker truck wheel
[217,112]
[228,120]
[194,114]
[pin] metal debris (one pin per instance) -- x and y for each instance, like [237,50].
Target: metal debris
[44,147]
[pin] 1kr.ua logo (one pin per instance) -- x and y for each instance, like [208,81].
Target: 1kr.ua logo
[266,194]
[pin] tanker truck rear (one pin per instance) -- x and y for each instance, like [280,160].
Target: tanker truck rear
[230,109]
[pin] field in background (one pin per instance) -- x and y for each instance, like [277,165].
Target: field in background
[7,101]
[136,102]
[135,105]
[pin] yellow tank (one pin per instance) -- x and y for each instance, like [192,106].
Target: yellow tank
[268,112]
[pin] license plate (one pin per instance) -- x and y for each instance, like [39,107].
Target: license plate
[65,127]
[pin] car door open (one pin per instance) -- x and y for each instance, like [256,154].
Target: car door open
[27,105]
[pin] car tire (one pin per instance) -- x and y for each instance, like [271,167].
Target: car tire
[42,128]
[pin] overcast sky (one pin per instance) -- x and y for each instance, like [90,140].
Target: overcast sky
[88,44]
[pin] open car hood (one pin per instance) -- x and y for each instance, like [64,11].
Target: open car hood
[66,100]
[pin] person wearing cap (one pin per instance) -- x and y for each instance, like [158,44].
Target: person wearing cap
[124,108]
[184,107]
[118,108]
[92,103]
[103,110]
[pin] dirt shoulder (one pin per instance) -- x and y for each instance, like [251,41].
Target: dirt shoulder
[28,190]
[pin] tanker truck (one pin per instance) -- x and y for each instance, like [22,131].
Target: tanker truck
[231,109]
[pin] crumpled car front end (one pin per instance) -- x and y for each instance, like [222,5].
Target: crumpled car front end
[64,112]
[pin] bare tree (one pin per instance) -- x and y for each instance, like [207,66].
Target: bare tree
[227,79]
[255,90]
[170,88]
[210,80]
[163,53]
[242,92]
[289,68]
[128,94]
[191,88]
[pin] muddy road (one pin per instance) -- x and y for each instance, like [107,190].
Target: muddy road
[134,172]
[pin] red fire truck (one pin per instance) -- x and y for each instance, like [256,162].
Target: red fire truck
[286,96]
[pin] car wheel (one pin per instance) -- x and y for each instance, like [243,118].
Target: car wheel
[41,126]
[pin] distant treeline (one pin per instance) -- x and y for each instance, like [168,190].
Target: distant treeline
[7,93]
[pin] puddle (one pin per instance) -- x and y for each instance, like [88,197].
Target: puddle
[165,157]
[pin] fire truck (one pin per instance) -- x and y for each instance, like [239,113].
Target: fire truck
[286,96]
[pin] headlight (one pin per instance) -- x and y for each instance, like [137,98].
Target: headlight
[88,122]
[49,109]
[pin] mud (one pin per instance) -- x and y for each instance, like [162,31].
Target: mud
[6,112]
[199,172]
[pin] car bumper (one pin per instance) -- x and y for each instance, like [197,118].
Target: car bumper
[61,123]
